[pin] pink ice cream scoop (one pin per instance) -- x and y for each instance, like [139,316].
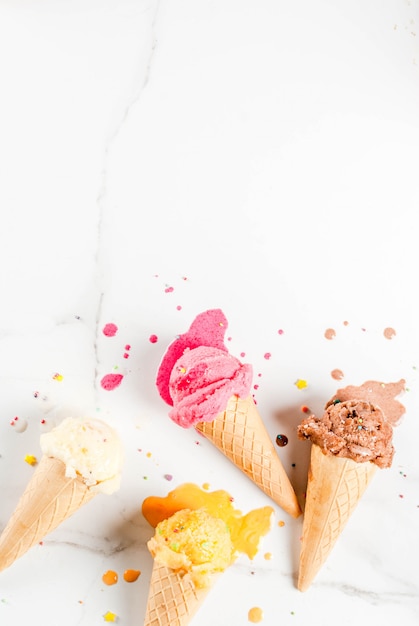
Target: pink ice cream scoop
[201,383]
[207,329]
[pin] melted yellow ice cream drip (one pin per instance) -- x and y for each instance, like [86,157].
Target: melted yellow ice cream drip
[246,531]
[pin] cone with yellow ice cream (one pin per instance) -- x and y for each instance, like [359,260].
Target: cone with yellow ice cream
[192,547]
[349,442]
[209,390]
[80,458]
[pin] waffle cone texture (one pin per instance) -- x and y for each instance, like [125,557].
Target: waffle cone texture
[173,599]
[49,498]
[240,434]
[335,486]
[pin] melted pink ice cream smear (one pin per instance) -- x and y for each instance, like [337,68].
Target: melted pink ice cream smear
[208,329]
[201,383]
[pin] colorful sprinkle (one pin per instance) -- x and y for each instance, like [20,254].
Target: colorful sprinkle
[31,460]
[281,523]
[305,409]
[267,356]
[110,617]
[153,339]
[168,476]
[280,331]
[281,440]
[111,381]
[168,290]
[300,384]
[58,377]
[110,330]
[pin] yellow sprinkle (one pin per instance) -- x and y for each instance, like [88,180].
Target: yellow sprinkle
[110,617]
[58,377]
[182,370]
[32,460]
[300,384]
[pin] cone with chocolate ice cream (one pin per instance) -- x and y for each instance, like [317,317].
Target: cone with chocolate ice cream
[349,442]
[209,389]
[70,473]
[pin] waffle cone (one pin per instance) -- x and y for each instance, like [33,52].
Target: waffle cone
[173,599]
[335,486]
[240,434]
[49,498]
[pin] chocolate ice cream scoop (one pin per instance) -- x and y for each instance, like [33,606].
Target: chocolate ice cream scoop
[353,429]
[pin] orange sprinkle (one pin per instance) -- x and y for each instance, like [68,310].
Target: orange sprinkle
[305,409]
[131,575]
[281,523]
[110,577]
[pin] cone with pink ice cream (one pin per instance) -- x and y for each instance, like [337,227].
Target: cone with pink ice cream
[209,390]
[349,442]
[81,457]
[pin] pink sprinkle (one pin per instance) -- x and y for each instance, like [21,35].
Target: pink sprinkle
[153,339]
[178,308]
[110,330]
[111,381]
[242,354]
[168,477]
[127,347]
[168,290]
[267,355]
[280,331]
[255,386]
[126,355]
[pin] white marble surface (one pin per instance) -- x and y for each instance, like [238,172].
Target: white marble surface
[158,158]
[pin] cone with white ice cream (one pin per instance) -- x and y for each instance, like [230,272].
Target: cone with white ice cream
[80,458]
[209,390]
[349,442]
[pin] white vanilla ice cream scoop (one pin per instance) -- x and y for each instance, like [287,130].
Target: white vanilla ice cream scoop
[89,448]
